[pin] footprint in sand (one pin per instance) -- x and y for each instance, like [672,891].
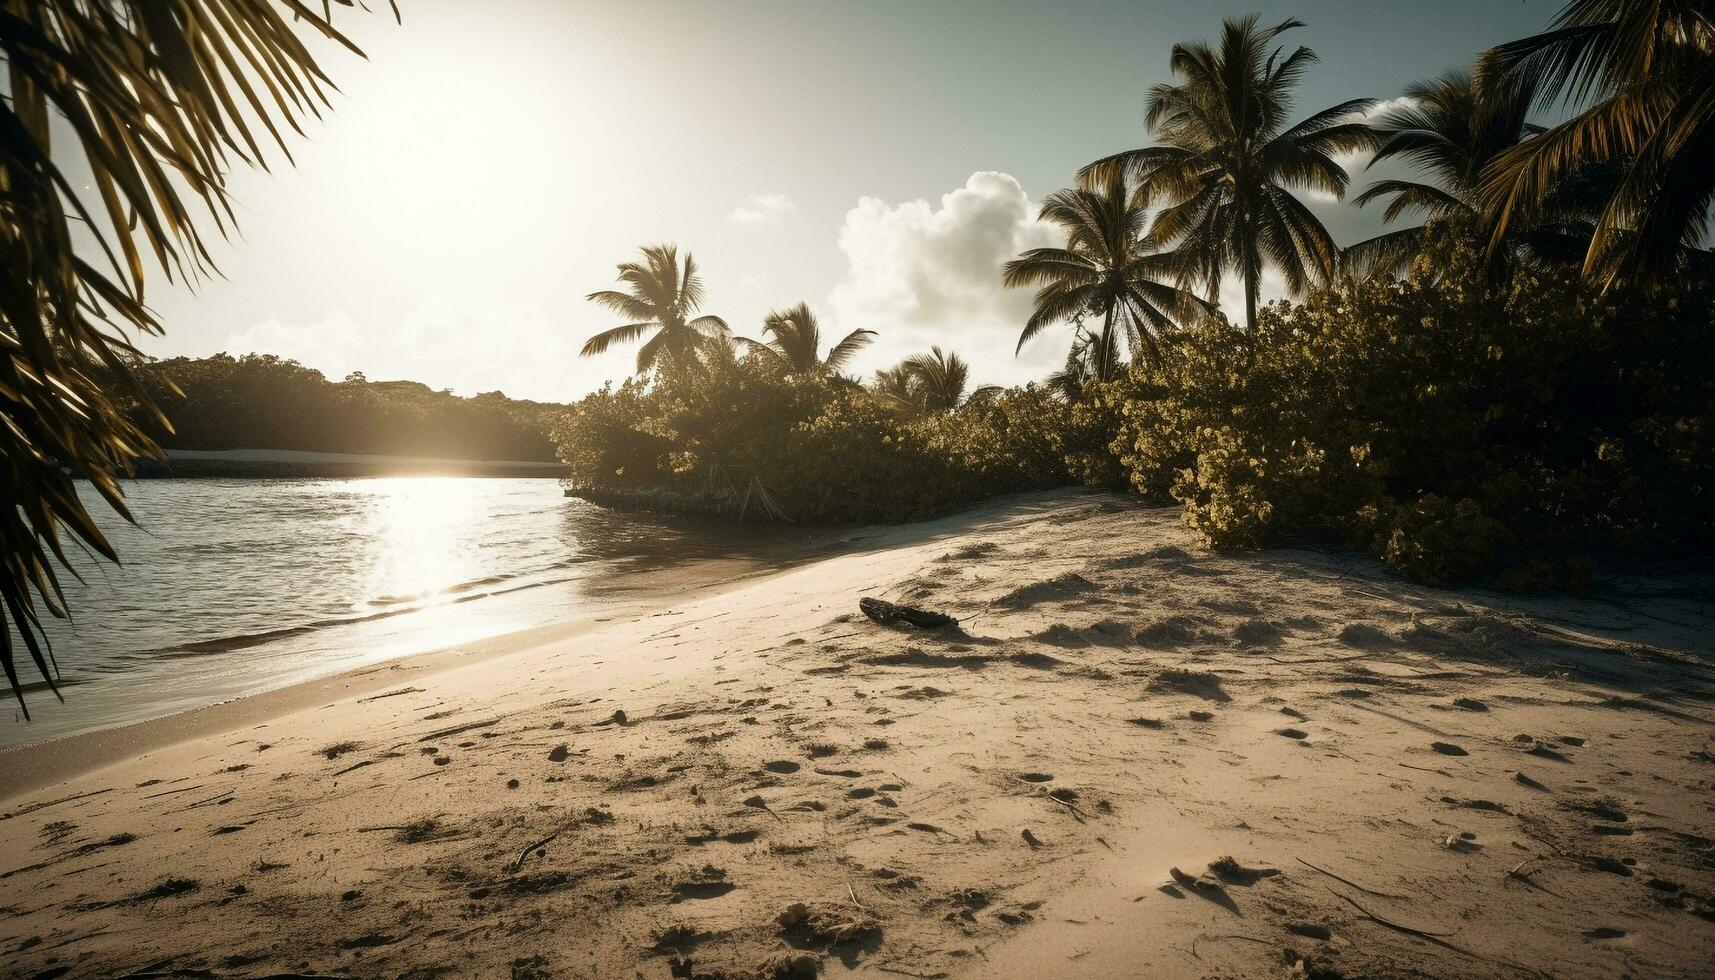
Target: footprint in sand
[1035,777]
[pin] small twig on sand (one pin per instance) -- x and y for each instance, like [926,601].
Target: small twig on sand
[1322,660]
[1076,812]
[390,694]
[1397,927]
[1348,881]
[1046,793]
[853,893]
[523,855]
[458,730]
[33,807]
[371,830]
[151,796]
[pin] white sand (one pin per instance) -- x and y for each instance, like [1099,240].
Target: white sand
[778,749]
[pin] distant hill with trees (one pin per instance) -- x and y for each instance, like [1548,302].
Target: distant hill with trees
[259,401]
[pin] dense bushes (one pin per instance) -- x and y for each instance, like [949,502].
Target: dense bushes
[263,402]
[739,435]
[1440,422]
[1443,423]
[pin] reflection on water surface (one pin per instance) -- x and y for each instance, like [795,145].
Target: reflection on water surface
[235,586]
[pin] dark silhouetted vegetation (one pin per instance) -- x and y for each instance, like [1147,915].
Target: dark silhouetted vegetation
[259,401]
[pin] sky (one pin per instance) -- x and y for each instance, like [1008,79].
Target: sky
[491,163]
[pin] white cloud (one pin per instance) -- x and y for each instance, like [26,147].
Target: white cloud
[1232,297]
[1357,160]
[761,209]
[922,274]
[468,342]
[333,346]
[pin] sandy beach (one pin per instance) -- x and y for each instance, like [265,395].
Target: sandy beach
[1131,758]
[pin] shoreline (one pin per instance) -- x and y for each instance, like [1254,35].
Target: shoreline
[193,464]
[1128,753]
[29,766]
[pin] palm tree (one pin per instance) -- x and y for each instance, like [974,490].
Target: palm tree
[1109,269]
[1227,159]
[1082,366]
[157,98]
[932,382]
[1451,128]
[1650,65]
[897,388]
[659,297]
[797,343]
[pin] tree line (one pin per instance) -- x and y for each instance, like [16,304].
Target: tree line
[259,401]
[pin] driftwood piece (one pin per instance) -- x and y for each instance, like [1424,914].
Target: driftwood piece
[891,615]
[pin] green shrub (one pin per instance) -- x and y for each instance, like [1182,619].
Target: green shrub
[739,435]
[1439,421]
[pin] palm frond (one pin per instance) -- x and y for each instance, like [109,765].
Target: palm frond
[842,353]
[599,343]
[160,99]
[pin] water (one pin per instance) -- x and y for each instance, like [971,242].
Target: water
[230,587]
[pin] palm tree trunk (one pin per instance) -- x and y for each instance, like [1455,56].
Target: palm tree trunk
[1252,264]
[1250,299]
[1103,365]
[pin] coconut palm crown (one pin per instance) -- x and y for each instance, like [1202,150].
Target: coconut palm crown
[796,342]
[1108,270]
[660,298]
[934,382]
[1449,128]
[1227,159]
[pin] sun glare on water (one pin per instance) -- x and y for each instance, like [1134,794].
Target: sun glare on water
[420,534]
